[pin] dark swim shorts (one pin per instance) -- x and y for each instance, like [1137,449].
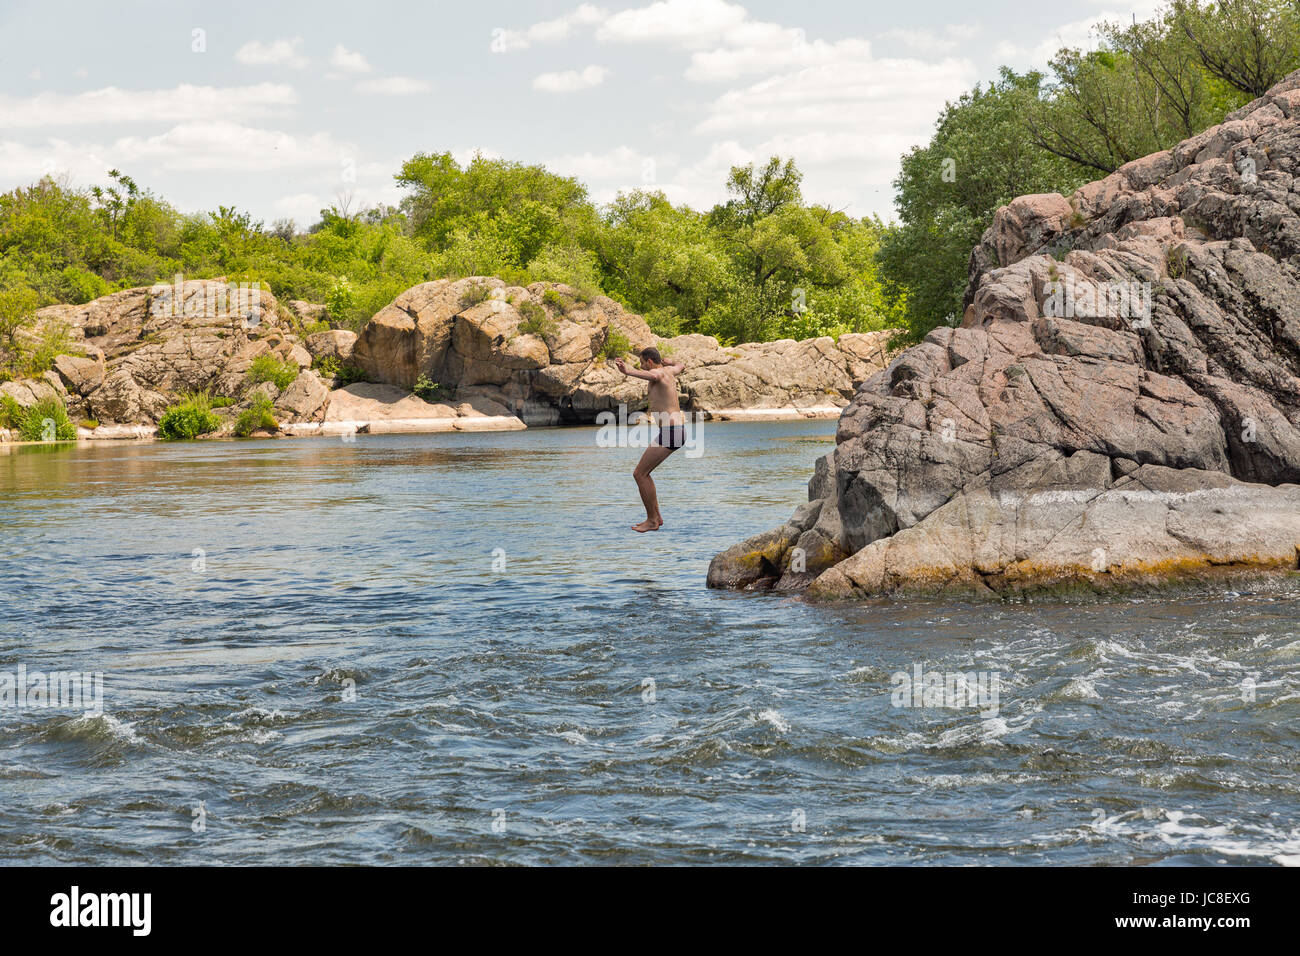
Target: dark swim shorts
[671,437]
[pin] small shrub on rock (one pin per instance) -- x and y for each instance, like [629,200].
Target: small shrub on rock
[476,293]
[47,420]
[188,419]
[616,344]
[427,389]
[257,416]
[535,321]
[268,368]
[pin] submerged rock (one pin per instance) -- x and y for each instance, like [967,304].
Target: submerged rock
[1121,403]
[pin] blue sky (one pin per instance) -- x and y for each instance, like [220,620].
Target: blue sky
[282,108]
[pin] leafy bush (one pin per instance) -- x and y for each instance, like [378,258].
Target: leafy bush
[427,389]
[616,344]
[188,419]
[47,420]
[11,413]
[256,417]
[535,321]
[55,339]
[221,401]
[268,368]
[554,299]
[327,365]
[340,299]
[476,293]
[17,311]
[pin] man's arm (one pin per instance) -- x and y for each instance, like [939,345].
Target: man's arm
[635,372]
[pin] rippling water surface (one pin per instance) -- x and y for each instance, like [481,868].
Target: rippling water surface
[309,656]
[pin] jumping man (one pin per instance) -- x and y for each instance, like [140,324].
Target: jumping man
[667,414]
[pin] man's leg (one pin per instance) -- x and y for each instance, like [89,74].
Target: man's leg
[646,485]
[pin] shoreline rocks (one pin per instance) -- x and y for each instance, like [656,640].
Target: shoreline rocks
[1119,407]
[498,357]
[541,353]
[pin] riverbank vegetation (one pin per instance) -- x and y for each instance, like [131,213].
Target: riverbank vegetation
[765,263]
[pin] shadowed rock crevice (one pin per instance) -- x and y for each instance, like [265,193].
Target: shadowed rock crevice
[1121,404]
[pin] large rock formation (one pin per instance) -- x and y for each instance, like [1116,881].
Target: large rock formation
[1120,403]
[140,349]
[541,352]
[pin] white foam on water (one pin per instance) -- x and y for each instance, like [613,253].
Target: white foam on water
[115,728]
[1184,830]
[774,718]
[261,715]
[1079,688]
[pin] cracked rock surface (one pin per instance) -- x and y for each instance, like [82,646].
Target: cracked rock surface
[1120,404]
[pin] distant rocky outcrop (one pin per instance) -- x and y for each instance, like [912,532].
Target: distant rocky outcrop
[542,353]
[141,349]
[1120,405]
[489,356]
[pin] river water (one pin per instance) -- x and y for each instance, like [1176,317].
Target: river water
[451,649]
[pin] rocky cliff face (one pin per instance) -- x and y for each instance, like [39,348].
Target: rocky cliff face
[1120,404]
[541,353]
[141,348]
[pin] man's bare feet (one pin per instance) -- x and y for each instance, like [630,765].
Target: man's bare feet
[648,525]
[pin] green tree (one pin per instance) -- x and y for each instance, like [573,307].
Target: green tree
[1249,44]
[662,260]
[980,157]
[17,311]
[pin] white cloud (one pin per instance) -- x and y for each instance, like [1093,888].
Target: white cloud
[303,208]
[699,184]
[620,164]
[854,93]
[112,105]
[702,184]
[691,24]
[189,147]
[856,114]
[725,44]
[345,59]
[768,54]
[547,31]
[230,146]
[927,41]
[1080,34]
[277,53]
[570,81]
[394,86]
